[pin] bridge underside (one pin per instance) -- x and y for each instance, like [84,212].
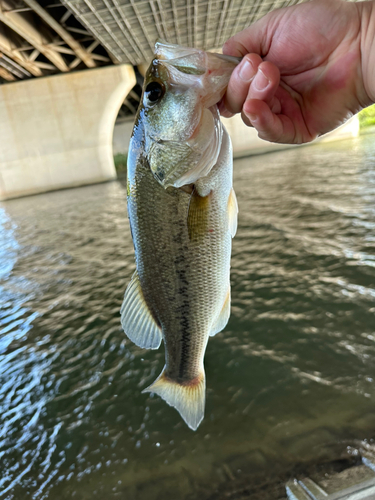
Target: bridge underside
[129,29]
[42,37]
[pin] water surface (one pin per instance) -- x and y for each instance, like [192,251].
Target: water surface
[290,381]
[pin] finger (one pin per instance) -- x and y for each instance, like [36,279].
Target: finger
[275,105]
[223,110]
[245,119]
[239,83]
[265,83]
[270,126]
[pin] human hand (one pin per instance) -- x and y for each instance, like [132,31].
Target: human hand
[302,74]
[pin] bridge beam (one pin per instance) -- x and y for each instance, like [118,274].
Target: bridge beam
[80,51]
[27,30]
[10,49]
[15,69]
[7,75]
[62,137]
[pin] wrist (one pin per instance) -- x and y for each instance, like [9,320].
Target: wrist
[367,14]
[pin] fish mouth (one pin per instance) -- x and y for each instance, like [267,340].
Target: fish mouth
[170,52]
[209,70]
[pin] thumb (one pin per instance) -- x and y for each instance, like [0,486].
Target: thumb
[254,39]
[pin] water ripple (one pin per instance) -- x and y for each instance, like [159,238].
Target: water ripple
[292,372]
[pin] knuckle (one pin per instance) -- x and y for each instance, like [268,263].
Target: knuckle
[226,46]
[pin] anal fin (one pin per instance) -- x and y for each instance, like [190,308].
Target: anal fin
[136,318]
[222,319]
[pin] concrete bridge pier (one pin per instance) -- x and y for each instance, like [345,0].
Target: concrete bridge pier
[56,132]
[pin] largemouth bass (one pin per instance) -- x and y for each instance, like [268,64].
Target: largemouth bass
[183,215]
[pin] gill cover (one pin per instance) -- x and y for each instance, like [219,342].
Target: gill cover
[183,131]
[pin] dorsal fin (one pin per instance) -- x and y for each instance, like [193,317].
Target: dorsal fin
[136,318]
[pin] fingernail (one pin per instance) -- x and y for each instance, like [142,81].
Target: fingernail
[261,81]
[252,117]
[246,71]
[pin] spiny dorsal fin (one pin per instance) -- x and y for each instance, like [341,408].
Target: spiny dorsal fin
[188,398]
[136,318]
[232,212]
[223,317]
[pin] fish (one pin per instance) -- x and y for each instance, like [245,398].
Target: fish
[182,211]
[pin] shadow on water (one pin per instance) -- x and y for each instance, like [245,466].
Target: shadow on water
[290,382]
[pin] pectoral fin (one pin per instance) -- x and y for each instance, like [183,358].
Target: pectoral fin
[136,318]
[222,320]
[232,212]
[198,215]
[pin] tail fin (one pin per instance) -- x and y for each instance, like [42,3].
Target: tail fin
[188,398]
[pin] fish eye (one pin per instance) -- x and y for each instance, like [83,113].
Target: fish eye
[154,91]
